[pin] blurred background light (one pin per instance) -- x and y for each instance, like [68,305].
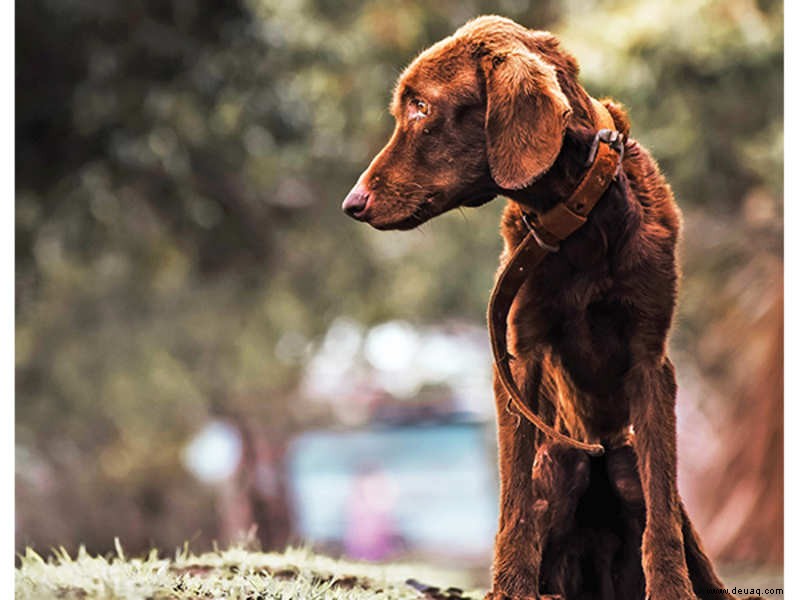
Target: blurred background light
[214,453]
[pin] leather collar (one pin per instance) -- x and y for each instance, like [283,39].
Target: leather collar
[603,162]
[545,233]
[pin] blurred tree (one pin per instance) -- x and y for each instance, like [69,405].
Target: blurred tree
[179,171]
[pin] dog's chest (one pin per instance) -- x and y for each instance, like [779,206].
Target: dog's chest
[580,320]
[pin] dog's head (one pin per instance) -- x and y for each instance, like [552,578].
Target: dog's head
[479,113]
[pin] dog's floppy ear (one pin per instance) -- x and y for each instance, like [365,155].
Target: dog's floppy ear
[526,116]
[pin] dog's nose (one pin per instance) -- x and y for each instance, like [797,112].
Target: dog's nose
[356,202]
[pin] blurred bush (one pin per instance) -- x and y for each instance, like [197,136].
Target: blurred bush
[181,254]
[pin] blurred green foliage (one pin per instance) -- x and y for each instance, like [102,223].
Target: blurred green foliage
[180,166]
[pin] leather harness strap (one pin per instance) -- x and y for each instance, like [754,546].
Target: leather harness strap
[545,232]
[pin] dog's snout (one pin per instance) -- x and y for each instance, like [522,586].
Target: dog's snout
[356,202]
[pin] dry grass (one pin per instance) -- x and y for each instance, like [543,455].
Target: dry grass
[241,574]
[235,573]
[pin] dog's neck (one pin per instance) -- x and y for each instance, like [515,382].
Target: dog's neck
[559,182]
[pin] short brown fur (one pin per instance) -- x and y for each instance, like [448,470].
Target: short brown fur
[497,109]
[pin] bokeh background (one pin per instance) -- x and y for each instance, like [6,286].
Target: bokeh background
[205,343]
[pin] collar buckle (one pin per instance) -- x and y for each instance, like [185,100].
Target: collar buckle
[608,136]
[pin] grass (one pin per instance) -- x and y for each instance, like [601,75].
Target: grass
[235,573]
[242,574]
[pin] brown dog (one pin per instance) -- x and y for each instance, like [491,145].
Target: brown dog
[497,109]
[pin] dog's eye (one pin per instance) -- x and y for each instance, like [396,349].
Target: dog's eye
[420,108]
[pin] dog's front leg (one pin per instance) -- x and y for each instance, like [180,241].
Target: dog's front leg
[651,389]
[520,540]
